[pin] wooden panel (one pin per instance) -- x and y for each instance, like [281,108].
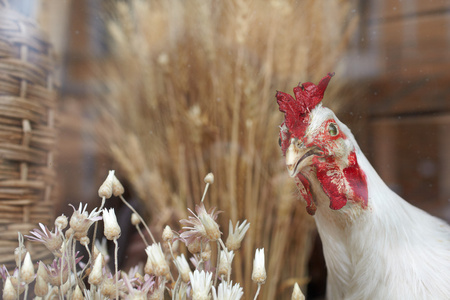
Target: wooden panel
[413,166]
[416,46]
[398,8]
[399,96]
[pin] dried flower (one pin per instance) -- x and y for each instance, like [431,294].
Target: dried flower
[201,226]
[27,270]
[167,234]
[158,292]
[112,228]
[41,286]
[140,287]
[52,241]
[206,252]
[19,254]
[228,291]
[85,241]
[41,272]
[201,285]
[157,260]
[69,232]
[106,189]
[9,292]
[236,236]
[259,271]
[195,246]
[108,286]
[297,293]
[96,275]
[101,247]
[77,294]
[209,178]
[117,187]
[135,219]
[59,266]
[61,222]
[183,267]
[81,221]
[226,258]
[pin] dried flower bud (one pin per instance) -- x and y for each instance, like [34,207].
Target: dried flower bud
[206,252]
[201,284]
[209,178]
[61,222]
[195,247]
[226,258]
[96,275]
[183,267]
[236,236]
[259,271]
[27,270]
[158,261]
[112,228]
[167,234]
[9,292]
[175,246]
[297,293]
[135,219]
[95,253]
[69,232]
[148,268]
[41,287]
[77,294]
[19,254]
[85,241]
[42,272]
[117,187]
[158,292]
[108,288]
[106,189]
[226,290]
[211,227]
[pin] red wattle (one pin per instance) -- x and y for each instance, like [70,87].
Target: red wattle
[305,190]
[333,184]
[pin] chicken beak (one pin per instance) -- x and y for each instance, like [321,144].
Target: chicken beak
[296,156]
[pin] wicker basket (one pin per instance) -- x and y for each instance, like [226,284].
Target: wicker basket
[27,132]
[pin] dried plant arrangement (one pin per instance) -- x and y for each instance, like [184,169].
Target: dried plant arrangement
[189,87]
[166,274]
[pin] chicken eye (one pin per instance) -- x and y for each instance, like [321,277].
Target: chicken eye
[279,141]
[332,129]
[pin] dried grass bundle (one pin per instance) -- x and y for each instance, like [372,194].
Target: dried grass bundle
[190,89]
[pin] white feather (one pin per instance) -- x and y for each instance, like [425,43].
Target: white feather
[389,250]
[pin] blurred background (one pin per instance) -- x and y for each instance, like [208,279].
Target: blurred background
[166,91]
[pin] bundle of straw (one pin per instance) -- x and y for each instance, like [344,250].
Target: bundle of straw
[189,88]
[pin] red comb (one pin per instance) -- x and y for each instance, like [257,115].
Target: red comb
[307,96]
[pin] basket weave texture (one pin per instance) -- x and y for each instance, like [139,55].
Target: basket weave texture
[27,132]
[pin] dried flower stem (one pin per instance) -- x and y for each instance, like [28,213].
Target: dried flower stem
[257,291]
[171,252]
[140,218]
[204,193]
[26,292]
[95,230]
[142,235]
[116,250]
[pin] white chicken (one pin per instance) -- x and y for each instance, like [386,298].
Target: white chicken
[376,245]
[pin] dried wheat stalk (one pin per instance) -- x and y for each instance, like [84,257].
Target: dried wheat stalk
[189,88]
